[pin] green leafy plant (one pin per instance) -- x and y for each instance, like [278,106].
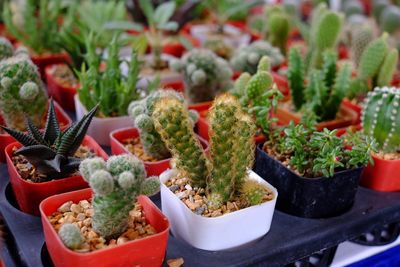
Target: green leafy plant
[38,31]
[52,152]
[325,89]
[107,86]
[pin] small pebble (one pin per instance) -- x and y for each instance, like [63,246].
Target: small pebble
[65,207]
[188,187]
[175,262]
[174,187]
[76,208]
[181,195]
[199,210]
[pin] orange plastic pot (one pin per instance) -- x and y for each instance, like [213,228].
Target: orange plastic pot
[62,94]
[29,194]
[42,61]
[145,252]
[6,139]
[384,175]
[152,168]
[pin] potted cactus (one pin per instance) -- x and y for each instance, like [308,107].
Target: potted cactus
[316,173]
[144,141]
[322,94]
[213,202]
[45,163]
[380,120]
[117,220]
[21,93]
[205,75]
[35,26]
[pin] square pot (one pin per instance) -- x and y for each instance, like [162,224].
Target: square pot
[100,128]
[318,197]
[145,252]
[6,139]
[29,194]
[224,232]
[152,168]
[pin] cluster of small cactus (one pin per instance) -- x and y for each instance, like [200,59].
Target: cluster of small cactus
[205,74]
[246,58]
[325,88]
[381,117]
[141,111]
[224,172]
[116,184]
[278,27]
[22,92]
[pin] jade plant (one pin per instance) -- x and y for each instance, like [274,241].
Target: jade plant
[224,173]
[205,74]
[141,111]
[52,151]
[116,185]
[325,88]
[246,58]
[108,86]
[278,27]
[381,118]
[377,65]
[21,90]
[34,24]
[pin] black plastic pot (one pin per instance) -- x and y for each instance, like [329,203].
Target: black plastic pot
[319,197]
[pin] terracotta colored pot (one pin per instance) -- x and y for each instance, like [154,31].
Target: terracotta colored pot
[152,168]
[145,252]
[6,139]
[42,61]
[349,117]
[29,195]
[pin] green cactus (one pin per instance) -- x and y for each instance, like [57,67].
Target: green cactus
[353,7]
[295,76]
[253,191]
[278,27]
[71,236]
[6,48]
[21,92]
[381,117]
[372,58]
[390,20]
[116,184]
[361,36]
[246,59]
[378,7]
[205,74]
[141,111]
[388,67]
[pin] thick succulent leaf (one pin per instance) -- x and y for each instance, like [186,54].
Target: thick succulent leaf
[52,129]
[36,152]
[34,132]
[24,139]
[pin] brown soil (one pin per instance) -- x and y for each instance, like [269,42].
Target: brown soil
[148,70]
[29,173]
[196,200]
[64,76]
[81,215]
[135,147]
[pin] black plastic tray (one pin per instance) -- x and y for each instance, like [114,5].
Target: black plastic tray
[290,238]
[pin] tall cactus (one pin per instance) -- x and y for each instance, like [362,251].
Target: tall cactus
[278,26]
[381,117]
[295,76]
[21,91]
[116,184]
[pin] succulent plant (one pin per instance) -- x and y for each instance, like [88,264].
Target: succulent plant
[21,91]
[70,235]
[378,6]
[219,47]
[353,7]
[381,117]
[390,20]
[6,48]
[116,185]
[278,27]
[224,172]
[325,89]
[52,152]
[361,36]
[246,59]
[141,111]
[205,74]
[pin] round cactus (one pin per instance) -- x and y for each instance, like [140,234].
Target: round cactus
[71,236]
[119,164]
[6,48]
[353,7]
[253,192]
[101,182]
[390,19]
[126,180]
[89,166]
[28,91]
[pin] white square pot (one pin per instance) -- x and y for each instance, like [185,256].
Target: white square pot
[224,232]
[100,128]
[238,37]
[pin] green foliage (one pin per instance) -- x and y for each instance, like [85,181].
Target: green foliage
[205,74]
[21,91]
[108,87]
[278,27]
[70,235]
[52,152]
[246,59]
[381,117]
[116,184]
[35,28]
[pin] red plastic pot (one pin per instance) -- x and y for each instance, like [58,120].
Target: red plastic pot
[62,94]
[177,85]
[177,49]
[29,195]
[6,139]
[145,252]
[383,176]
[42,61]
[357,108]
[152,168]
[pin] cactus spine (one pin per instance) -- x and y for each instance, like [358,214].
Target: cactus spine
[116,184]
[381,117]
[21,92]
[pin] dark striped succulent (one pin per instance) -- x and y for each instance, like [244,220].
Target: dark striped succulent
[52,151]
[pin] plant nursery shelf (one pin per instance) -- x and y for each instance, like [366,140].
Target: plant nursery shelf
[290,238]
